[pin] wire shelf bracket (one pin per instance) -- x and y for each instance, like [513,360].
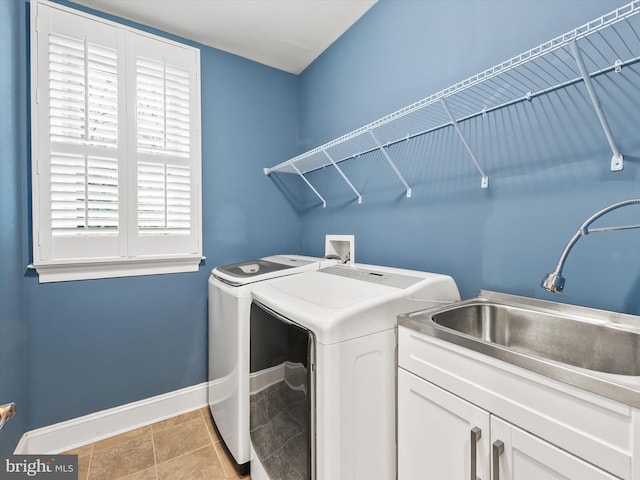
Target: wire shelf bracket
[343,176]
[324,202]
[607,44]
[485,179]
[393,165]
[617,161]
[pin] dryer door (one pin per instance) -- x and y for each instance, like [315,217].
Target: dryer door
[282,399]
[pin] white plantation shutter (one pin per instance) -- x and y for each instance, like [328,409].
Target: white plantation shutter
[167,116]
[83,92]
[84,195]
[83,111]
[77,123]
[164,200]
[163,130]
[163,120]
[116,147]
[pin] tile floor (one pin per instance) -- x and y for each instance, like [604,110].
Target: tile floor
[279,431]
[185,447]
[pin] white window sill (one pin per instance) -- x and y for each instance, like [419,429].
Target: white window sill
[61,271]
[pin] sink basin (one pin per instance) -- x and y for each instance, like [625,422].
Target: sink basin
[555,337]
[596,350]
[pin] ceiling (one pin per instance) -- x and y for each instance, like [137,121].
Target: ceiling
[284,34]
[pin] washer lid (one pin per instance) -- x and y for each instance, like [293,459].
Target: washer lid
[250,271]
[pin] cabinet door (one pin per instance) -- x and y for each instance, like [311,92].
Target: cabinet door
[525,457]
[439,435]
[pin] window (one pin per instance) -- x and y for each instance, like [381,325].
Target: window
[116,168]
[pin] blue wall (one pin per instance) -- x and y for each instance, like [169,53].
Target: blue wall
[79,347]
[96,344]
[548,160]
[12,205]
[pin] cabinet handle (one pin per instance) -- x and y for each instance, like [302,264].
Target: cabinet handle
[498,449]
[476,434]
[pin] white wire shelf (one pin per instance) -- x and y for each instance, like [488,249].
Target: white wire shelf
[606,44]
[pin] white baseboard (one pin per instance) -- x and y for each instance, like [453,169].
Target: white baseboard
[258,381]
[79,431]
[22,447]
[263,379]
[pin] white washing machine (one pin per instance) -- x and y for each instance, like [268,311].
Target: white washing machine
[229,302]
[323,370]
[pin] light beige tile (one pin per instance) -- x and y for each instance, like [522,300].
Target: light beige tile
[123,437]
[173,421]
[81,451]
[84,458]
[208,421]
[122,459]
[186,447]
[83,467]
[183,438]
[225,462]
[147,474]
[200,464]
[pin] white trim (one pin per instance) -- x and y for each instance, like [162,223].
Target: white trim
[79,431]
[66,256]
[111,23]
[258,381]
[66,271]
[267,377]
[22,446]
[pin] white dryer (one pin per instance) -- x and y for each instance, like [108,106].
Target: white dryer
[229,301]
[323,369]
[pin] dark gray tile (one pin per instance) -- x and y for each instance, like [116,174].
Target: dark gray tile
[279,468]
[290,395]
[264,442]
[284,428]
[257,395]
[274,403]
[257,414]
[299,412]
[296,450]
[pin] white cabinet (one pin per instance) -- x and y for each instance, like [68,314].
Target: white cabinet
[458,409]
[526,457]
[441,436]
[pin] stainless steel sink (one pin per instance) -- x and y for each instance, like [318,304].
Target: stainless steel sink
[587,345]
[594,349]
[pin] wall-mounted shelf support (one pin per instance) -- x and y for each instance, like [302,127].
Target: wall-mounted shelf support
[617,162]
[324,203]
[343,176]
[393,165]
[485,179]
[608,44]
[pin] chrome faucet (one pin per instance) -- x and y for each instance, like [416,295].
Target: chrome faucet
[554,281]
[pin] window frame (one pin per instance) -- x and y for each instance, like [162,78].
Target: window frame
[129,252]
